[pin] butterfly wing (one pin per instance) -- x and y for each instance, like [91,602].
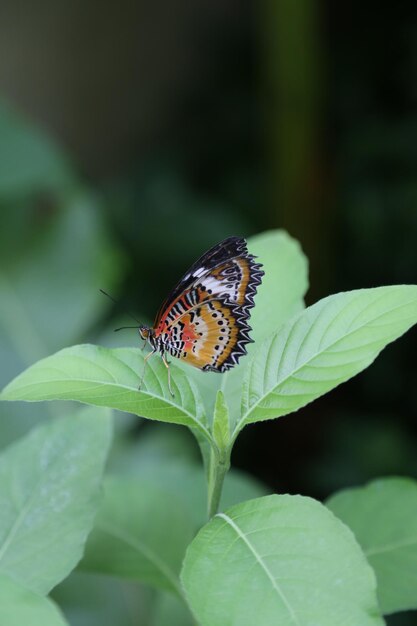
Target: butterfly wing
[211,337]
[205,319]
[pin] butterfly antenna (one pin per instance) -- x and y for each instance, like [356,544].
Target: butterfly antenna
[123,328]
[128,312]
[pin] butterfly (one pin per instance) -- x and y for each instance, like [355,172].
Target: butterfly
[204,320]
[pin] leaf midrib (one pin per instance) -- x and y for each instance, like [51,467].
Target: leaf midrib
[19,519]
[262,564]
[297,369]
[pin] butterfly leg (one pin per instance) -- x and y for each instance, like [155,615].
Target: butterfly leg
[166,363]
[145,362]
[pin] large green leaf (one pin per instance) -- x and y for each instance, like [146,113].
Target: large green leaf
[383,516]
[104,377]
[325,345]
[49,488]
[141,532]
[279,560]
[20,606]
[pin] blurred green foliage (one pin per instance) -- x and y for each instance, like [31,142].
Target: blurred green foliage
[350,197]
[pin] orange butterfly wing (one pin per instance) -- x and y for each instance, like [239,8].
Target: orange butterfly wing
[205,319]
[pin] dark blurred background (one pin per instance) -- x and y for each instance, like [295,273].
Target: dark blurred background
[135,135]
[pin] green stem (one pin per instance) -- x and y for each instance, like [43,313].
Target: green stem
[219,466]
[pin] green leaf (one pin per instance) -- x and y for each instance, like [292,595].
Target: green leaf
[141,532]
[325,345]
[19,606]
[92,600]
[49,488]
[221,426]
[104,377]
[279,560]
[383,516]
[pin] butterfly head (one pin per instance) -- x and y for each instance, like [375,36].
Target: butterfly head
[146,333]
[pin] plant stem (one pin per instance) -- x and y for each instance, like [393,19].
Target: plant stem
[205,449]
[219,466]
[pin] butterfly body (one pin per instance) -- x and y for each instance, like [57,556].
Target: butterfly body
[204,320]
